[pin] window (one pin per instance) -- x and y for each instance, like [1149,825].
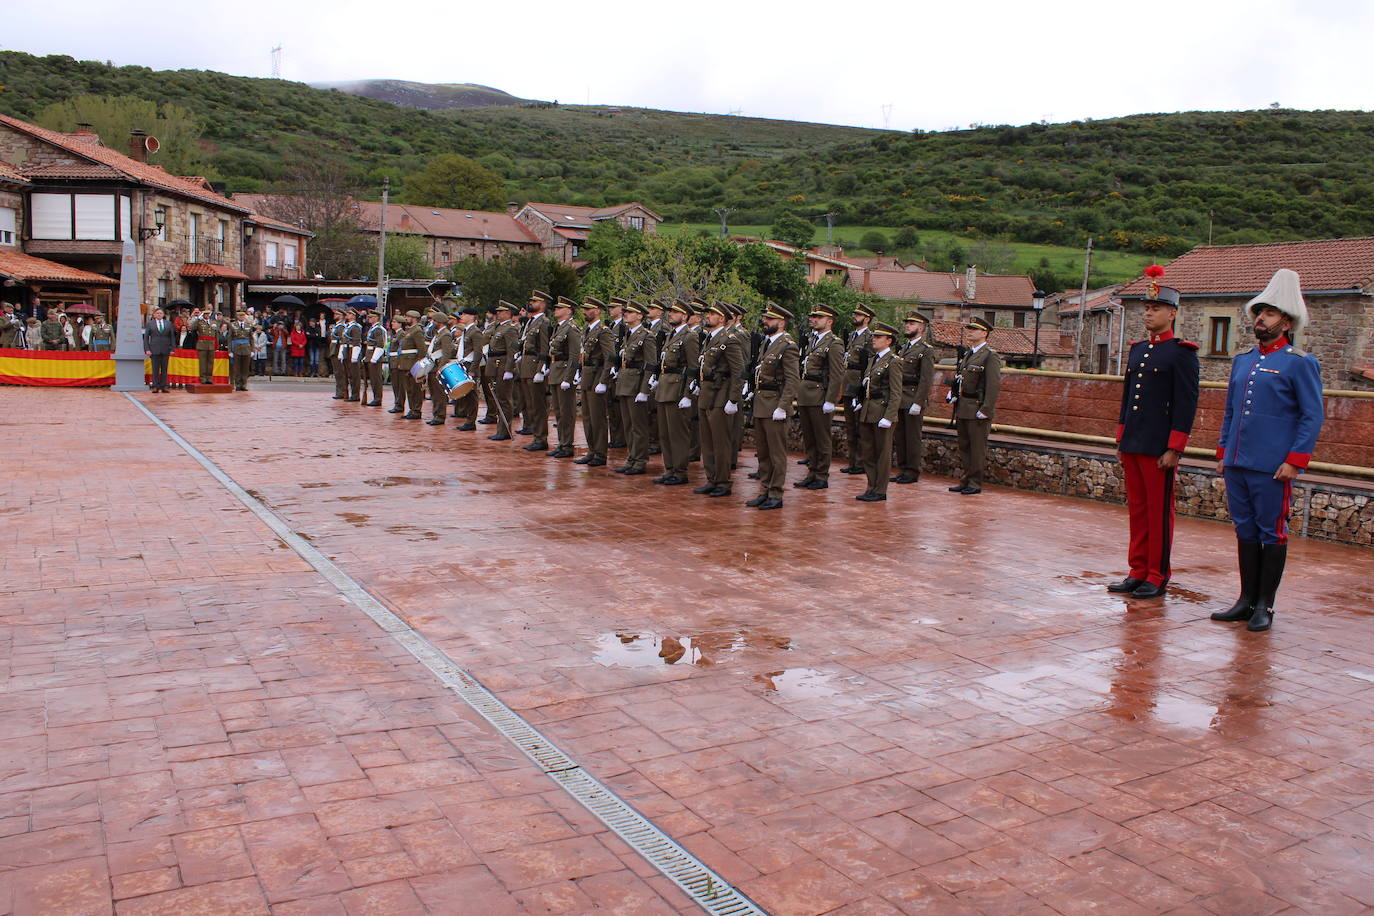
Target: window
[7,226]
[192,233]
[991,318]
[270,254]
[223,232]
[98,217]
[288,257]
[1018,319]
[95,216]
[1219,337]
[635,222]
[162,294]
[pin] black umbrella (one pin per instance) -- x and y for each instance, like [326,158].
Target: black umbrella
[287,300]
[181,304]
[363,302]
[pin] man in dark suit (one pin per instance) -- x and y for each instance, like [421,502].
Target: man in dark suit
[159,339]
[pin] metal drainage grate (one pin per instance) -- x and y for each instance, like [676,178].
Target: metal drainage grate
[706,888]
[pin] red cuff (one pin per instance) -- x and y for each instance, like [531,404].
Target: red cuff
[1221,452]
[1120,431]
[1178,441]
[1298,459]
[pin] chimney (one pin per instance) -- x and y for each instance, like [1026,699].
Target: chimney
[138,145]
[86,132]
[512,207]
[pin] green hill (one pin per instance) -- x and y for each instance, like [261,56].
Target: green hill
[434,96]
[1150,184]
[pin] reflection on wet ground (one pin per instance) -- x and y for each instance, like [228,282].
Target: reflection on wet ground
[798,683]
[411,482]
[636,650]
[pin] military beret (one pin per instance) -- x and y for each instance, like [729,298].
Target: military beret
[823,311]
[468,310]
[862,309]
[540,294]
[633,306]
[773,310]
[413,314]
[677,305]
[916,316]
[591,302]
[978,324]
[883,329]
[503,306]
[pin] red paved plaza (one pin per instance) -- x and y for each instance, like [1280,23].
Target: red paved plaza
[927,705]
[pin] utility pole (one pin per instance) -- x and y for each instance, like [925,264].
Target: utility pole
[381,253]
[1082,307]
[724,214]
[829,227]
[1209,227]
[887,116]
[276,62]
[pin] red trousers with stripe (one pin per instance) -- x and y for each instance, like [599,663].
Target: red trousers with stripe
[1150,501]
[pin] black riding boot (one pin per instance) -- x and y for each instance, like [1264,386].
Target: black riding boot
[1249,553]
[1271,573]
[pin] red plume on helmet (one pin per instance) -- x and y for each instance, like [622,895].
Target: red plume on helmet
[1155,272]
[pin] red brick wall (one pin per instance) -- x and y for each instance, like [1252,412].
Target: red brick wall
[1091,406]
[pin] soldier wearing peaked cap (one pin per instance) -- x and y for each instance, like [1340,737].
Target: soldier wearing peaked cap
[1273,416]
[721,380]
[532,367]
[598,349]
[470,340]
[978,380]
[412,347]
[565,362]
[877,407]
[374,353]
[637,360]
[822,381]
[615,320]
[777,378]
[1158,403]
[678,363]
[857,355]
[498,367]
[352,352]
[918,371]
[441,351]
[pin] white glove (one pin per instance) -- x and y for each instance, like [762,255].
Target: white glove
[744,392]
[982,416]
[577,379]
[884,423]
[685,403]
[731,409]
[949,397]
[600,389]
[539,377]
[377,355]
[914,410]
[779,414]
[641,398]
[828,407]
[507,376]
[653,382]
[615,373]
[565,385]
[854,403]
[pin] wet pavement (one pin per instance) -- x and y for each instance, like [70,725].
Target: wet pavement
[925,705]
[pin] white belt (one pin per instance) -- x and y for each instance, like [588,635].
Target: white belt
[408,351]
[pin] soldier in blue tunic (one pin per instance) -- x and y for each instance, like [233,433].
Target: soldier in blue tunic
[1273,416]
[1158,404]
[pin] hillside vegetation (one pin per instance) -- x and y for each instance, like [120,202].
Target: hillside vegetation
[434,96]
[1149,184]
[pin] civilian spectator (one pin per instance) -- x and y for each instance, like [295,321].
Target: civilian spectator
[279,337]
[259,351]
[298,341]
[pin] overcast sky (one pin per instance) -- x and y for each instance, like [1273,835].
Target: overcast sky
[937,65]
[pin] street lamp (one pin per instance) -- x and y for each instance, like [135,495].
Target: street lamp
[159,220]
[1037,303]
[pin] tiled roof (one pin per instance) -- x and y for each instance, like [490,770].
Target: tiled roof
[24,267]
[579,235]
[567,215]
[1010,341]
[1325,264]
[268,221]
[932,286]
[1097,299]
[443,222]
[211,270]
[140,172]
[73,170]
[10,174]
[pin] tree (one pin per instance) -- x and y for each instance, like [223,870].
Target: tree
[318,195]
[450,180]
[676,267]
[406,257]
[874,241]
[842,299]
[993,256]
[774,276]
[793,230]
[113,117]
[906,238]
[484,283]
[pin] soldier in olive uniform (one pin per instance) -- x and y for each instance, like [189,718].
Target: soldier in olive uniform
[442,351]
[598,348]
[637,359]
[412,345]
[471,340]
[678,364]
[335,358]
[11,327]
[777,378]
[102,336]
[533,367]
[503,342]
[918,371]
[880,401]
[565,361]
[374,355]
[721,378]
[696,309]
[658,327]
[752,342]
[54,335]
[240,351]
[822,382]
[615,320]
[395,375]
[351,354]
[206,331]
[857,355]
[979,378]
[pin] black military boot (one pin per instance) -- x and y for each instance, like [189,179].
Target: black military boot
[1272,561]
[1248,553]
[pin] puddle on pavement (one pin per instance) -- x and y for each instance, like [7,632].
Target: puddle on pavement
[798,683]
[1188,595]
[646,650]
[1185,712]
[409,482]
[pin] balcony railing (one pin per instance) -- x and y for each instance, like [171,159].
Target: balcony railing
[208,250]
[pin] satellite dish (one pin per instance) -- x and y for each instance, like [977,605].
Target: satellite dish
[151,145]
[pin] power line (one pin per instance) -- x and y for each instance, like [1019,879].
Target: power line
[276,62]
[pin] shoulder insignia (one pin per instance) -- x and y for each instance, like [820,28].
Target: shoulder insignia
[1298,351]
[1134,342]
[1187,343]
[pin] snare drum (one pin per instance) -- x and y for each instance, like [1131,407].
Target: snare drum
[455,380]
[421,368]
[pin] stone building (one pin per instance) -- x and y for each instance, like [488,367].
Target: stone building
[85,199]
[1216,282]
[562,230]
[273,249]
